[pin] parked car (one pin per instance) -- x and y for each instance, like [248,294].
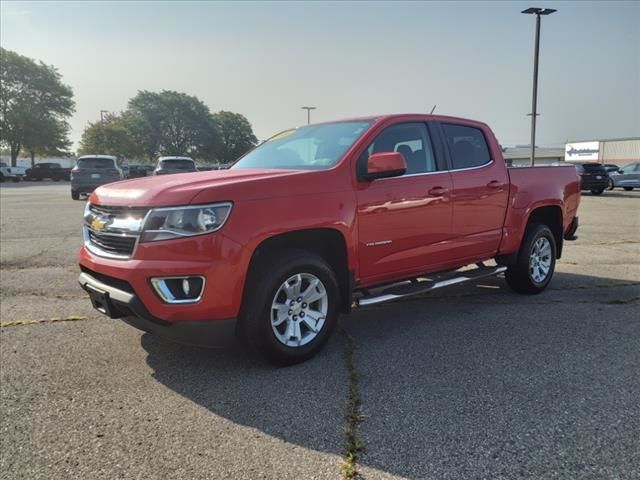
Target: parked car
[91,171]
[15,174]
[139,170]
[611,169]
[318,219]
[593,177]
[628,177]
[53,171]
[167,165]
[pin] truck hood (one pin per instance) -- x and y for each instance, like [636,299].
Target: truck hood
[198,187]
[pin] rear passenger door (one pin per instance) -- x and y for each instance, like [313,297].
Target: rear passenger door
[480,191]
[403,221]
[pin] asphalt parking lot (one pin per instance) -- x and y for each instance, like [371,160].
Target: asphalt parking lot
[471,382]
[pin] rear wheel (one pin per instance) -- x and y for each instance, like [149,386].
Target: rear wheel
[611,185]
[628,189]
[75,195]
[597,191]
[15,179]
[291,307]
[536,261]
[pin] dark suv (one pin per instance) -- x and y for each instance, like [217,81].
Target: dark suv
[593,177]
[91,171]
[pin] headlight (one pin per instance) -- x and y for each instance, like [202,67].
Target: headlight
[178,222]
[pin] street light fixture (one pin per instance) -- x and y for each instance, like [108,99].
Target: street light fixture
[102,113]
[308,109]
[534,97]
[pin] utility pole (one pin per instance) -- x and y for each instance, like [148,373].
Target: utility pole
[308,109]
[104,135]
[534,97]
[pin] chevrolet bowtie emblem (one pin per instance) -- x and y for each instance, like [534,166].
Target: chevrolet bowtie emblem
[98,224]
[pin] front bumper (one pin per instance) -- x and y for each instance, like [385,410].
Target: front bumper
[119,303]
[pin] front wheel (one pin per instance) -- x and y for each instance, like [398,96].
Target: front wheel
[291,307]
[597,191]
[628,189]
[536,261]
[611,185]
[75,195]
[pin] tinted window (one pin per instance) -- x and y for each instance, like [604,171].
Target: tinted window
[178,164]
[96,163]
[412,141]
[312,147]
[633,167]
[467,146]
[593,168]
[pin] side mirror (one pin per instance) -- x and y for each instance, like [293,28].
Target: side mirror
[385,165]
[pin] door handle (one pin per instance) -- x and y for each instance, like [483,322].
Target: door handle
[438,191]
[495,184]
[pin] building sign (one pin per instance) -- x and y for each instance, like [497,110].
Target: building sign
[581,151]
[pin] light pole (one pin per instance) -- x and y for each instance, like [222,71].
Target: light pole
[534,97]
[104,135]
[308,109]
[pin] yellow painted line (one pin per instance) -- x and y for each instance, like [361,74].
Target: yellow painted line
[613,242]
[15,323]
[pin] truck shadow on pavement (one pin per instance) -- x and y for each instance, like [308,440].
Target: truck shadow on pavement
[473,382]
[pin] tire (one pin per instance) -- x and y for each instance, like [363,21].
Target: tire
[75,195]
[1,178]
[280,280]
[628,189]
[611,185]
[597,191]
[523,277]
[15,179]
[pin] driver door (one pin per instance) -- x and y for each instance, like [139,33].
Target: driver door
[402,221]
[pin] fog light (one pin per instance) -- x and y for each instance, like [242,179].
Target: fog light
[179,289]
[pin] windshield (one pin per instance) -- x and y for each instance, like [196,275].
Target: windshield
[314,147]
[96,163]
[178,164]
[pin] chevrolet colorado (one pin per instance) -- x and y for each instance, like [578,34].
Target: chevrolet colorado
[317,220]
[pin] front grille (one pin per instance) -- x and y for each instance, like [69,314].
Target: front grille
[119,211]
[115,244]
[113,231]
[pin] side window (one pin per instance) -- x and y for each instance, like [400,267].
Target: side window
[412,141]
[467,146]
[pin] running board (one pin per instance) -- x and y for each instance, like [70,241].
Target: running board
[416,287]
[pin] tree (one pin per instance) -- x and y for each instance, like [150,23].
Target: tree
[31,95]
[110,137]
[172,123]
[48,137]
[236,135]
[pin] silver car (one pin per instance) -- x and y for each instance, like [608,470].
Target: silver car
[91,171]
[628,177]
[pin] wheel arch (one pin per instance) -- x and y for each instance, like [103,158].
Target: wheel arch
[329,243]
[551,216]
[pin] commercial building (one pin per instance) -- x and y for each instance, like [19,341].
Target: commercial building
[618,151]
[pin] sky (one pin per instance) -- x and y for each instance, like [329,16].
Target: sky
[267,59]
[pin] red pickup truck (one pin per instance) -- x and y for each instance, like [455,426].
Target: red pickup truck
[318,220]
